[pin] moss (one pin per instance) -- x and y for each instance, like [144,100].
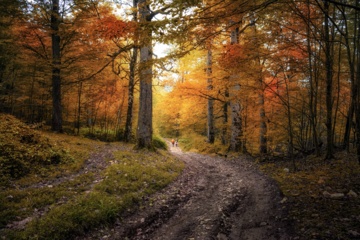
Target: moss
[159,143]
[78,205]
[24,150]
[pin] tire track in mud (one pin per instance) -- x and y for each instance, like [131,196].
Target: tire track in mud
[213,198]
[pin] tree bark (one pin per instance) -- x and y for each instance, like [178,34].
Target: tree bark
[261,97]
[313,86]
[289,122]
[79,108]
[329,83]
[235,106]
[224,137]
[144,128]
[132,69]
[357,83]
[263,125]
[130,106]
[210,113]
[351,63]
[56,64]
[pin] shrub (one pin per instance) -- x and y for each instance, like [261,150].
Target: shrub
[159,143]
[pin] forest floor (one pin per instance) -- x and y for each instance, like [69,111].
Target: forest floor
[111,191]
[213,198]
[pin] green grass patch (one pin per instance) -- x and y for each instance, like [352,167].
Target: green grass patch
[142,172]
[39,182]
[21,203]
[132,175]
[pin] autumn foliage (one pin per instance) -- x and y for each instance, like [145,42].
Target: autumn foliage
[233,55]
[283,70]
[110,27]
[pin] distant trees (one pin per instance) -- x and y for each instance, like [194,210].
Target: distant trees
[11,13]
[66,53]
[303,73]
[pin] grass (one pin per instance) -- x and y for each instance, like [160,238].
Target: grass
[77,204]
[125,184]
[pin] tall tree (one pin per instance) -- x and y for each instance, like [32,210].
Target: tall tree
[236,143]
[357,80]
[146,14]
[210,109]
[56,66]
[132,75]
[144,127]
[329,81]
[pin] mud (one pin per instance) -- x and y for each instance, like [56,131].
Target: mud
[214,198]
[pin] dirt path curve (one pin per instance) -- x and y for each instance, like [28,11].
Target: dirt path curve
[214,198]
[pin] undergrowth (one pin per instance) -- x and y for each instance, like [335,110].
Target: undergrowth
[24,151]
[196,143]
[159,143]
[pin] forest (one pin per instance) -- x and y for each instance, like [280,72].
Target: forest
[259,77]
[263,97]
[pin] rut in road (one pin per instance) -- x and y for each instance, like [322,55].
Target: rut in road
[214,198]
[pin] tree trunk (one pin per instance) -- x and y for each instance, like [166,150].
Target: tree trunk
[289,122]
[79,108]
[210,113]
[236,120]
[144,128]
[132,69]
[329,84]
[56,64]
[263,125]
[357,83]
[261,97]
[351,65]
[224,138]
[130,106]
[313,87]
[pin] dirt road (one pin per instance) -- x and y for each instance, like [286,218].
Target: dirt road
[214,198]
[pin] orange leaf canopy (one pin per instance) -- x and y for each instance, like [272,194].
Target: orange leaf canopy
[111,27]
